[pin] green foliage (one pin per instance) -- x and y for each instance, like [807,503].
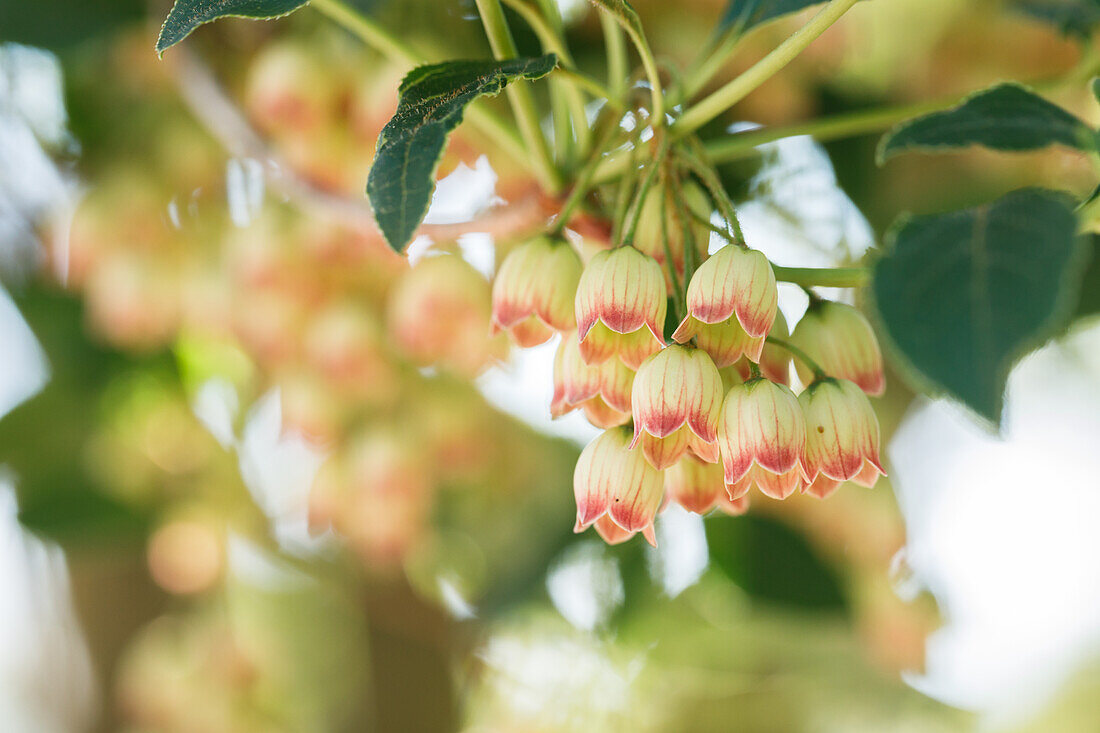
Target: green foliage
[433,99]
[962,295]
[59,24]
[744,14]
[1004,117]
[771,561]
[1071,17]
[187,15]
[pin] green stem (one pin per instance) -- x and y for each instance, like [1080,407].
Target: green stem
[584,179]
[827,277]
[679,294]
[819,373]
[552,41]
[709,63]
[617,66]
[519,96]
[733,92]
[393,48]
[635,214]
[653,74]
[718,193]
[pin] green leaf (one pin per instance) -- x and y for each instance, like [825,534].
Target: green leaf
[770,561]
[187,15]
[962,295]
[1070,17]
[1004,117]
[432,100]
[745,14]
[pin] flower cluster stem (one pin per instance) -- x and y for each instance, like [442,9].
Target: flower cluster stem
[819,373]
[827,277]
[520,97]
[732,93]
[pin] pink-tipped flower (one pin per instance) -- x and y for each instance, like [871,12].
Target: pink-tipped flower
[621,304]
[839,338]
[775,361]
[696,485]
[601,390]
[611,480]
[660,217]
[534,291]
[731,301]
[762,435]
[842,436]
[676,400]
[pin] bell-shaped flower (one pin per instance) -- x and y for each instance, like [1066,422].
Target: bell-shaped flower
[695,485]
[839,338]
[775,361]
[676,400]
[661,223]
[534,291]
[613,481]
[601,390]
[762,435]
[842,436]
[620,306]
[732,300]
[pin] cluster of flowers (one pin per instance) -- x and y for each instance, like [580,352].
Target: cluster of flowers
[704,418]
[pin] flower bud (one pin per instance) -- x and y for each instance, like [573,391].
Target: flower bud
[534,291]
[650,236]
[612,480]
[775,361]
[732,301]
[762,434]
[601,390]
[620,306]
[839,338]
[842,436]
[695,484]
[676,388]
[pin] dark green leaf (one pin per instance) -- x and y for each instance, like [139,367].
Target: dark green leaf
[431,104]
[1071,17]
[770,561]
[1089,304]
[187,15]
[1094,85]
[744,14]
[962,295]
[1004,117]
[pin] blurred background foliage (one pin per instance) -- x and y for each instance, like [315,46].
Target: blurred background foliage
[438,585]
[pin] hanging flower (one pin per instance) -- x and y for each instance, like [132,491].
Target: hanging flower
[534,291]
[601,390]
[732,301]
[839,338]
[613,481]
[676,401]
[620,305]
[762,434]
[842,436]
